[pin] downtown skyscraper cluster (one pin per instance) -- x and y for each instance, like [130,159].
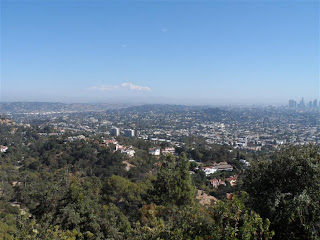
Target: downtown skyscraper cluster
[302,104]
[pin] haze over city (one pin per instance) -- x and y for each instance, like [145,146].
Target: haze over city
[180,52]
[160,120]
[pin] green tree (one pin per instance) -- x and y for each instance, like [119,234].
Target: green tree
[235,221]
[166,222]
[7,226]
[173,185]
[128,196]
[286,190]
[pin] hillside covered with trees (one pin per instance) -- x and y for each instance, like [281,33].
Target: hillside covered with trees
[52,188]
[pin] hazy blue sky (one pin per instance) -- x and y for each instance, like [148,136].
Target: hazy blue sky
[204,52]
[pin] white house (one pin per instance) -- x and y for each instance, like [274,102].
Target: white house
[154,151]
[224,167]
[129,152]
[4,149]
[168,150]
[244,162]
[209,170]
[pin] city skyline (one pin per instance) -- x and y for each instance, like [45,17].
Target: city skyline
[312,103]
[192,53]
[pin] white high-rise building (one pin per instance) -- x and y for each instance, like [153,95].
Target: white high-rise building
[115,131]
[129,133]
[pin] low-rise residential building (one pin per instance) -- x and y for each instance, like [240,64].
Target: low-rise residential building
[209,170]
[223,166]
[244,162]
[129,152]
[168,150]
[154,151]
[119,147]
[110,141]
[74,138]
[232,180]
[4,149]
[217,182]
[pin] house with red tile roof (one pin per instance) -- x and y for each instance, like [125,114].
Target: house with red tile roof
[3,149]
[217,182]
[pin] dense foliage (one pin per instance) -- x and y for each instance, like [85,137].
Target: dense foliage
[286,190]
[52,188]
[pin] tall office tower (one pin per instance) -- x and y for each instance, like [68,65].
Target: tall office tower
[290,103]
[115,131]
[315,103]
[310,104]
[302,104]
[129,133]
